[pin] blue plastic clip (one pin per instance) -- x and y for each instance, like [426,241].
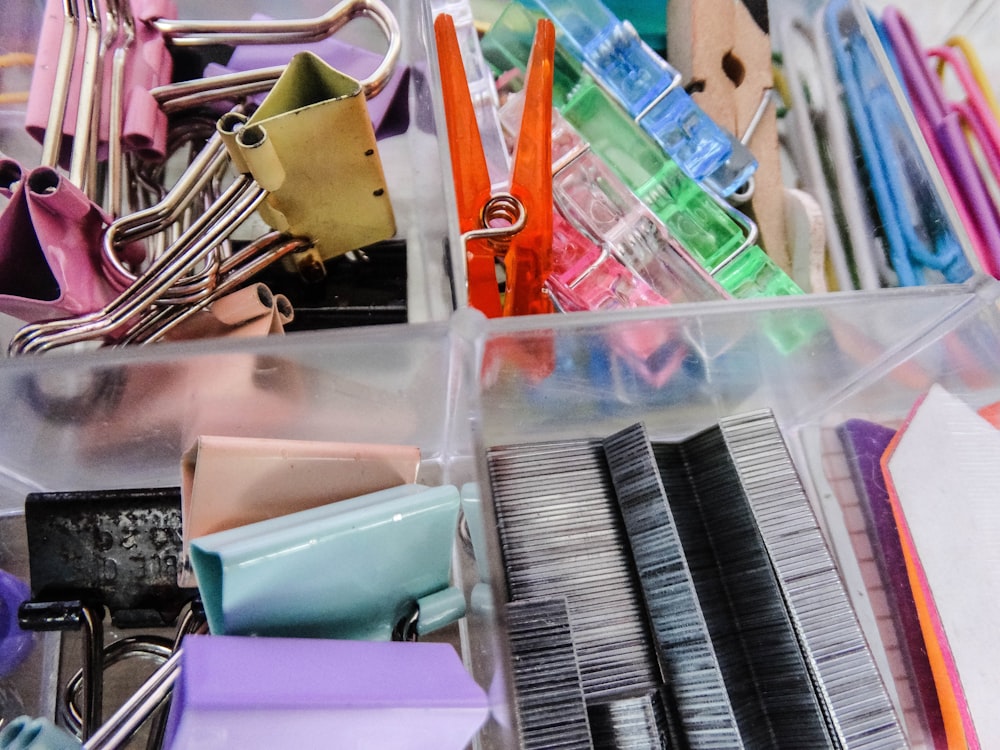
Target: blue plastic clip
[921,239]
[650,90]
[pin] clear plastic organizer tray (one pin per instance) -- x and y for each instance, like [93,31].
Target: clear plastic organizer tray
[815,363]
[411,160]
[122,419]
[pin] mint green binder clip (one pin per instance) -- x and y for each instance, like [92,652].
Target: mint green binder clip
[374,567]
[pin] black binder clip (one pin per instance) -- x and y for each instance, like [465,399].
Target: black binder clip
[97,552]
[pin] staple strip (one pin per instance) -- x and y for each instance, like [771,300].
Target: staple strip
[560,536]
[550,702]
[858,707]
[636,722]
[765,671]
[687,655]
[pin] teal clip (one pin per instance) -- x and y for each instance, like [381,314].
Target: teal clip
[374,567]
[26,733]
[481,599]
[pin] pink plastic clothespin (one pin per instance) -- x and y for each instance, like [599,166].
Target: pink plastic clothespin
[585,277]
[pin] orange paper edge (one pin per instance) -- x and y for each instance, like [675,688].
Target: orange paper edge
[959,729]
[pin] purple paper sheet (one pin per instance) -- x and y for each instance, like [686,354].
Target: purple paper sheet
[864,443]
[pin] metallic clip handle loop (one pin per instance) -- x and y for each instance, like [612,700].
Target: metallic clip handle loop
[191,33]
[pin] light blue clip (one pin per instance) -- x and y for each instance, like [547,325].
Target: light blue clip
[372,567]
[650,90]
[922,244]
[26,733]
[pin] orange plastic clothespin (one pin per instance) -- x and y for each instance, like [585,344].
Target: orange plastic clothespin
[529,258]
[526,241]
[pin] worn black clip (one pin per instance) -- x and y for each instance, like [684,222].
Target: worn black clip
[116,548]
[93,552]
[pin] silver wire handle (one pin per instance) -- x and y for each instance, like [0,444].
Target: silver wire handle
[191,33]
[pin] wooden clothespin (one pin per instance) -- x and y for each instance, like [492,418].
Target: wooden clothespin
[723,49]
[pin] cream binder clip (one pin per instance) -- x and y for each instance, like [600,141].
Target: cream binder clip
[234,481]
[312,147]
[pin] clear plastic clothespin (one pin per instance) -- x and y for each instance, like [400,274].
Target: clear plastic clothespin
[636,261]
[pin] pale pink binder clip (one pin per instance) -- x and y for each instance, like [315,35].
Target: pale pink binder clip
[138,62]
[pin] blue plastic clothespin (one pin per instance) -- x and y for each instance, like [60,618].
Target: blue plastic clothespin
[650,90]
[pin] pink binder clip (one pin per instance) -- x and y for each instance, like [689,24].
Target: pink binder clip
[50,249]
[51,230]
[131,53]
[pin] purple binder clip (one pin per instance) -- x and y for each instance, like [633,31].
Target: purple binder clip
[281,692]
[15,643]
[388,110]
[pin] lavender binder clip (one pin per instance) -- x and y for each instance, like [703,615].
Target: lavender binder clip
[388,109]
[285,692]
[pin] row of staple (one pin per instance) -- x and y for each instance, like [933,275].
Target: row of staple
[678,594]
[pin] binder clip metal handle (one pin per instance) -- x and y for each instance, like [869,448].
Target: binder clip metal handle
[194,33]
[89,619]
[89,553]
[26,733]
[234,206]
